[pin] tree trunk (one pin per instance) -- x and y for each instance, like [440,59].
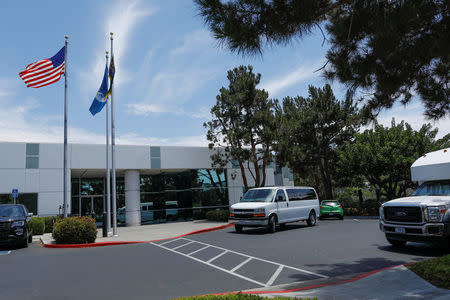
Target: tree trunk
[244,177]
[325,181]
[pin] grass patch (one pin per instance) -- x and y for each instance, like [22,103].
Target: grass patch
[436,271]
[240,296]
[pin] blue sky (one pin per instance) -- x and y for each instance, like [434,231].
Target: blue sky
[168,71]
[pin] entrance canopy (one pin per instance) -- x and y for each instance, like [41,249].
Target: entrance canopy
[432,166]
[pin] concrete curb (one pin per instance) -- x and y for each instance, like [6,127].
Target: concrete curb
[113,243]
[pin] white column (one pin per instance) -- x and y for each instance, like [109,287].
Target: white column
[132,198]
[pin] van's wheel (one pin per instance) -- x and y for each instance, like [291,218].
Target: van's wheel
[30,238]
[312,219]
[272,224]
[238,228]
[396,243]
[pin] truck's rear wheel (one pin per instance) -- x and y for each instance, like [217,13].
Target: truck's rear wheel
[396,243]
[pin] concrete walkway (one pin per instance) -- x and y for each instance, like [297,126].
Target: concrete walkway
[147,232]
[394,283]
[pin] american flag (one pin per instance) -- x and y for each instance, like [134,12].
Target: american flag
[44,71]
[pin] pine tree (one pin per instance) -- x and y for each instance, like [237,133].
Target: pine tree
[388,49]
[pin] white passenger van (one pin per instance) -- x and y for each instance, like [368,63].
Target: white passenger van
[425,215]
[272,206]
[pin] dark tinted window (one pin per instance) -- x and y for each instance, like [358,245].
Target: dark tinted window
[11,211]
[281,194]
[301,194]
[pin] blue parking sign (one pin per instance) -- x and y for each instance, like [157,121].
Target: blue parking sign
[15,193]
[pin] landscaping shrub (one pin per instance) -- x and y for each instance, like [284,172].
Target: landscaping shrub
[218,215]
[38,225]
[75,230]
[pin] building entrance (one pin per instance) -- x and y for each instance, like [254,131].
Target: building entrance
[91,206]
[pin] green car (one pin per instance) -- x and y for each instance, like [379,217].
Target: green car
[331,208]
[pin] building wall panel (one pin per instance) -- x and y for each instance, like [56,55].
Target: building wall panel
[12,179]
[12,155]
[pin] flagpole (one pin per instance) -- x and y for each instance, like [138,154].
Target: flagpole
[108,178]
[65,129]
[113,153]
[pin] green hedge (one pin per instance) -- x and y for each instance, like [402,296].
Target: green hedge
[218,215]
[240,296]
[38,225]
[75,230]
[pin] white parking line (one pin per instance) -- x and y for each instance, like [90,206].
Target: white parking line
[232,271]
[193,252]
[260,259]
[211,265]
[274,276]
[169,241]
[241,264]
[217,256]
[182,245]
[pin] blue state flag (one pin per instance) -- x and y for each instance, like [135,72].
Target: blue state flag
[100,98]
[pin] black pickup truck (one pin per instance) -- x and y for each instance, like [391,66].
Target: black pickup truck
[14,228]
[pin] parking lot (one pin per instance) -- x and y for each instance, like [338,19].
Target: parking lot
[219,261]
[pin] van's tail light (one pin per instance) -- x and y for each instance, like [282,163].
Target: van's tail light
[340,206]
[321,207]
[231,215]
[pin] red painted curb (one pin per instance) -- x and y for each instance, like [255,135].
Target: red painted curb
[113,243]
[361,276]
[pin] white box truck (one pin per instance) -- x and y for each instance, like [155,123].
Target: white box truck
[425,215]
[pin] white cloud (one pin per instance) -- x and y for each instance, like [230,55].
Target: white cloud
[300,74]
[122,19]
[145,109]
[21,124]
[194,41]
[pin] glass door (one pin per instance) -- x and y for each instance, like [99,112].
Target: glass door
[92,206]
[86,206]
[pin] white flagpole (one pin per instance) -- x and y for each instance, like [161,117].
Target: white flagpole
[113,153]
[108,178]
[65,130]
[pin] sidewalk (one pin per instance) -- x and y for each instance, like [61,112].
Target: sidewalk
[393,283]
[146,233]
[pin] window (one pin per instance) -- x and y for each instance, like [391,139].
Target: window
[281,194]
[301,194]
[32,156]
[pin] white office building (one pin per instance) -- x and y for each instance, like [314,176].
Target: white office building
[153,184]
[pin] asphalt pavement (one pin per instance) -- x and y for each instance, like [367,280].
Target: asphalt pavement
[214,262]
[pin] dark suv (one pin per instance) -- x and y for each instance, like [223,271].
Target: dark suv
[14,228]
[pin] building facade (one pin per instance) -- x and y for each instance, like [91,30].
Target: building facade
[153,184]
